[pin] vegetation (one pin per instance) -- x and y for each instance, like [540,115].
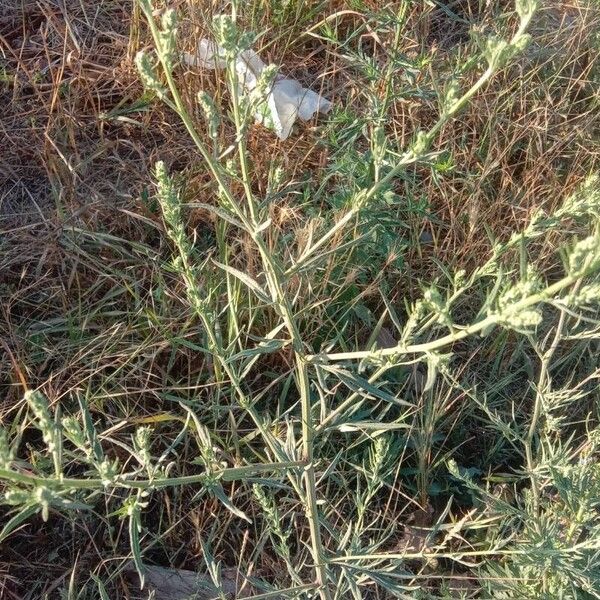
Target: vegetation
[359,363]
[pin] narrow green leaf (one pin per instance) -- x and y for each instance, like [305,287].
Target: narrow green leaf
[264,347]
[218,492]
[17,519]
[226,216]
[247,281]
[90,430]
[371,426]
[101,589]
[134,541]
[356,383]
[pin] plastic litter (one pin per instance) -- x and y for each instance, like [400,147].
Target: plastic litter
[287,99]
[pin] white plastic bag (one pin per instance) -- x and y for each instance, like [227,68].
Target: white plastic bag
[287,99]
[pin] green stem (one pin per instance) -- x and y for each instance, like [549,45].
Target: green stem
[285,310]
[543,385]
[272,271]
[456,336]
[230,474]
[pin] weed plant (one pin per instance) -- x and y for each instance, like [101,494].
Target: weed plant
[340,440]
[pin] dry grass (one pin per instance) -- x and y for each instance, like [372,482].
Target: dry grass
[87,309]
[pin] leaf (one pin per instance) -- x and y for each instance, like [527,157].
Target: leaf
[263,226]
[264,347]
[247,281]
[101,589]
[134,541]
[17,519]
[188,344]
[226,216]
[157,418]
[254,356]
[432,372]
[218,492]
[371,426]
[90,430]
[358,384]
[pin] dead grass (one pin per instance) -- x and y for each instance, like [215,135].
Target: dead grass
[528,146]
[86,308]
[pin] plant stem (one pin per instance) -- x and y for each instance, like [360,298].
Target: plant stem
[272,272]
[123,481]
[276,288]
[456,336]
[543,385]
